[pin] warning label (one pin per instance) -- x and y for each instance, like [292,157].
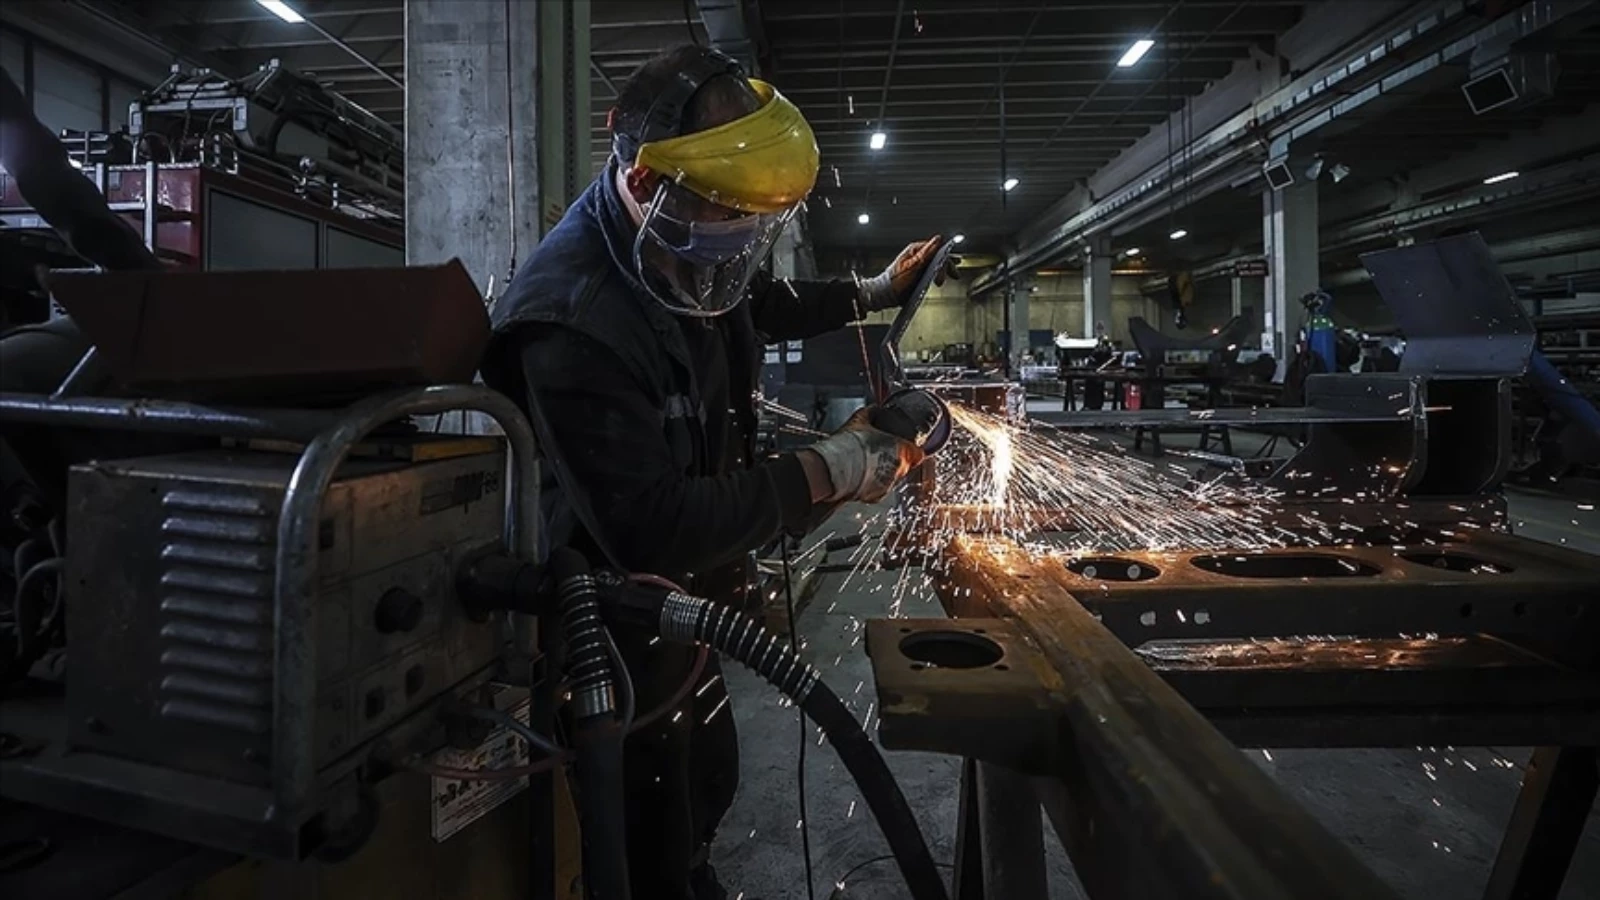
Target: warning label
[457,804]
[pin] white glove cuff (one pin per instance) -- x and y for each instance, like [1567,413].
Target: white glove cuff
[875,293]
[845,455]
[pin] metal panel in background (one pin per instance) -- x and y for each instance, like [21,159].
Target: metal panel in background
[344,250]
[242,234]
[1456,309]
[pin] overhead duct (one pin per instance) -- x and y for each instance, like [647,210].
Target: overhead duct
[734,27]
[1502,74]
[1520,79]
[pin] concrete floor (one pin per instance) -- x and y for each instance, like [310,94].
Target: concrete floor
[1428,821]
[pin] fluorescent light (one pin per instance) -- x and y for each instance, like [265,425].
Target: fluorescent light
[1503,176]
[1131,251]
[1178,235]
[282,10]
[959,238]
[1009,183]
[877,140]
[74,163]
[1135,53]
[863,218]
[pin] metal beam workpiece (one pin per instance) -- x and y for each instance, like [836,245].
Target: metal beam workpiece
[1153,800]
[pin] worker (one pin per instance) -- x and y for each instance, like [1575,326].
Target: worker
[636,330]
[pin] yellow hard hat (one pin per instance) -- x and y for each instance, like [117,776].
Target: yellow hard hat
[765,162]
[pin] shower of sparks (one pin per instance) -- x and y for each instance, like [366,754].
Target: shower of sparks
[1057,492]
[1032,480]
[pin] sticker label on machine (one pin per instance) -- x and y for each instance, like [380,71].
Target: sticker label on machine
[457,804]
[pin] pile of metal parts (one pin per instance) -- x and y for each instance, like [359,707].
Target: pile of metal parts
[1112,689]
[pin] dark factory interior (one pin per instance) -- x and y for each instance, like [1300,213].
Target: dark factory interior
[799,449]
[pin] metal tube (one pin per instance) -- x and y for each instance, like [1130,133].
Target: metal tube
[295,654]
[81,374]
[151,204]
[331,38]
[162,416]
[1011,833]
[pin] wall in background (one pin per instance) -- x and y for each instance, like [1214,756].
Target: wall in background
[66,90]
[947,315]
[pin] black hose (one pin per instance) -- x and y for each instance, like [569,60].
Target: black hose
[697,620]
[597,735]
[588,650]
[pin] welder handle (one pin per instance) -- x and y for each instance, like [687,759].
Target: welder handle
[892,376]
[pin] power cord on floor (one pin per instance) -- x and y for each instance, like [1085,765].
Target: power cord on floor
[800,768]
[842,884]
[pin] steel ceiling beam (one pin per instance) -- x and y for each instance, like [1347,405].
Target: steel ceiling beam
[357,55]
[1359,72]
[948,91]
[253,14]
[604,78]
[936,8]
[291,43]
[888,69]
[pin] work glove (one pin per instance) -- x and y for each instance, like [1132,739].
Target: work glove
[893,286]
[863,462]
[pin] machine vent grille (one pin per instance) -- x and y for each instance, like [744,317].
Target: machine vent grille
[216,609]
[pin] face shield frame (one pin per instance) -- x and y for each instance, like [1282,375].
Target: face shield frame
[706,264]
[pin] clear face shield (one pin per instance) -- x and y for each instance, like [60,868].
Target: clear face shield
[697,257]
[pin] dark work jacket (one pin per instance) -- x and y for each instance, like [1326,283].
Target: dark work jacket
[615,383]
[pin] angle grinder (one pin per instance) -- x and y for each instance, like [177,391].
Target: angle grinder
[913,415]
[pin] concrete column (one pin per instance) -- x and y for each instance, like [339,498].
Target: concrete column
[472,136]
[1021,293]
[1097,287]
[563,76]
[1289,231]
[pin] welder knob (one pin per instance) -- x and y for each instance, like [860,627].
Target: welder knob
[398,610]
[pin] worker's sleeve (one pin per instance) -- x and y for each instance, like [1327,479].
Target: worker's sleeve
[787,309]
[61,194]
[614,441]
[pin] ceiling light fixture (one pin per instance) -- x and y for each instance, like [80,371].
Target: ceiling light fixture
[1135,53]
[282,10]
[1178,235]
[1131,252]
[1008,184]
[1339,172]
[877,140]
[1314,171]
[959,238]
[863,218]
[1503,176]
